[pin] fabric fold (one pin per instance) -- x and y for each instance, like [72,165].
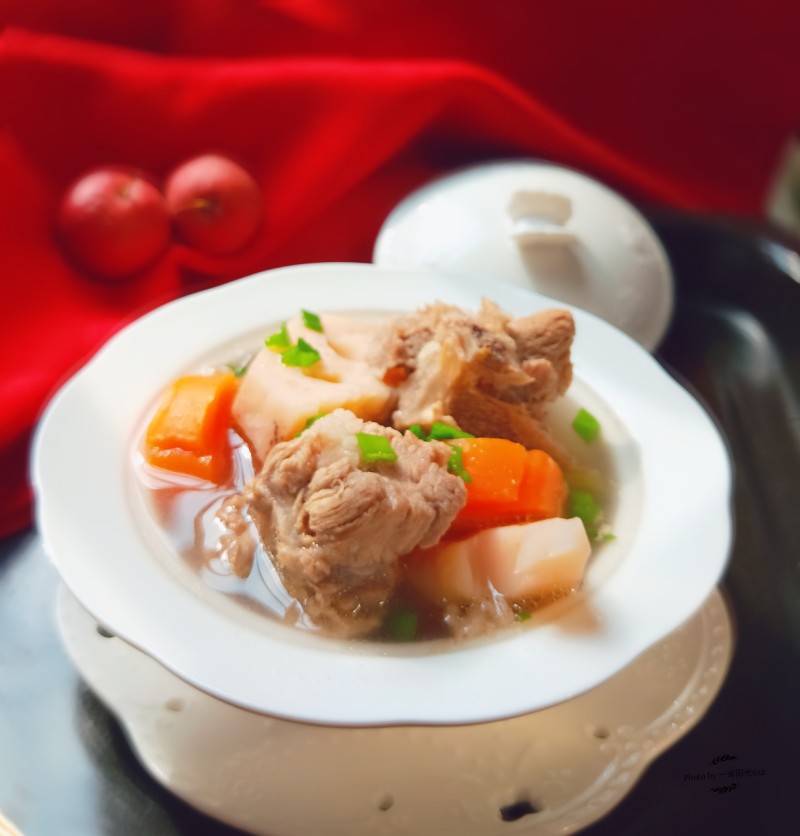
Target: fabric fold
[337,116]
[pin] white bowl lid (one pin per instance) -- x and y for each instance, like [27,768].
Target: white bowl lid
[542,227]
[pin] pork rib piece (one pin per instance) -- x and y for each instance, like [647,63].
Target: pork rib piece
[490,374]
[335,526]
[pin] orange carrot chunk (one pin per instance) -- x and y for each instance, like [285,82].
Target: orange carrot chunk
[189,431]
[509,485]
[543,490]
[496,466]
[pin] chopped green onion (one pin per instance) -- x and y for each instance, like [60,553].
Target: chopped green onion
[522,615]
[310,422]
[302,354]
[586,425]
[440,431]
[455,464]
[583,505]
[375,448]
[238,371]
[312,321]
[280,340]
[313,419]
[401,626]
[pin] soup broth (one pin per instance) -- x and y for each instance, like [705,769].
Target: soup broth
[187,512]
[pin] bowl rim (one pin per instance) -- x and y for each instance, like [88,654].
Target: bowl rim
[98,547]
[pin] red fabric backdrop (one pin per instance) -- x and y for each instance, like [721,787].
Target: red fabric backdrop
[340,108]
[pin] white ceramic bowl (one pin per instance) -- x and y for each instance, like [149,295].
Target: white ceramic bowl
[672,520]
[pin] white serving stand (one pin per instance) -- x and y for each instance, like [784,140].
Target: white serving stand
[551,772]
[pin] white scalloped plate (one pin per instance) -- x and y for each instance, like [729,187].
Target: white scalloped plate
[672,520]
[572,763]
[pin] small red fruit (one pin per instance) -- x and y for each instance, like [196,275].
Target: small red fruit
[114,221]
[215,204]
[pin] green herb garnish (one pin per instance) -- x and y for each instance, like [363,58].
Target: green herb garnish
[443,432]
[310,422]
[302,354]
[375,448]
[440,432]
[280,340]
[586,425]
[238,371]
[455,464]
[583,505]
[522,615]
[312,321]
[401,626]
